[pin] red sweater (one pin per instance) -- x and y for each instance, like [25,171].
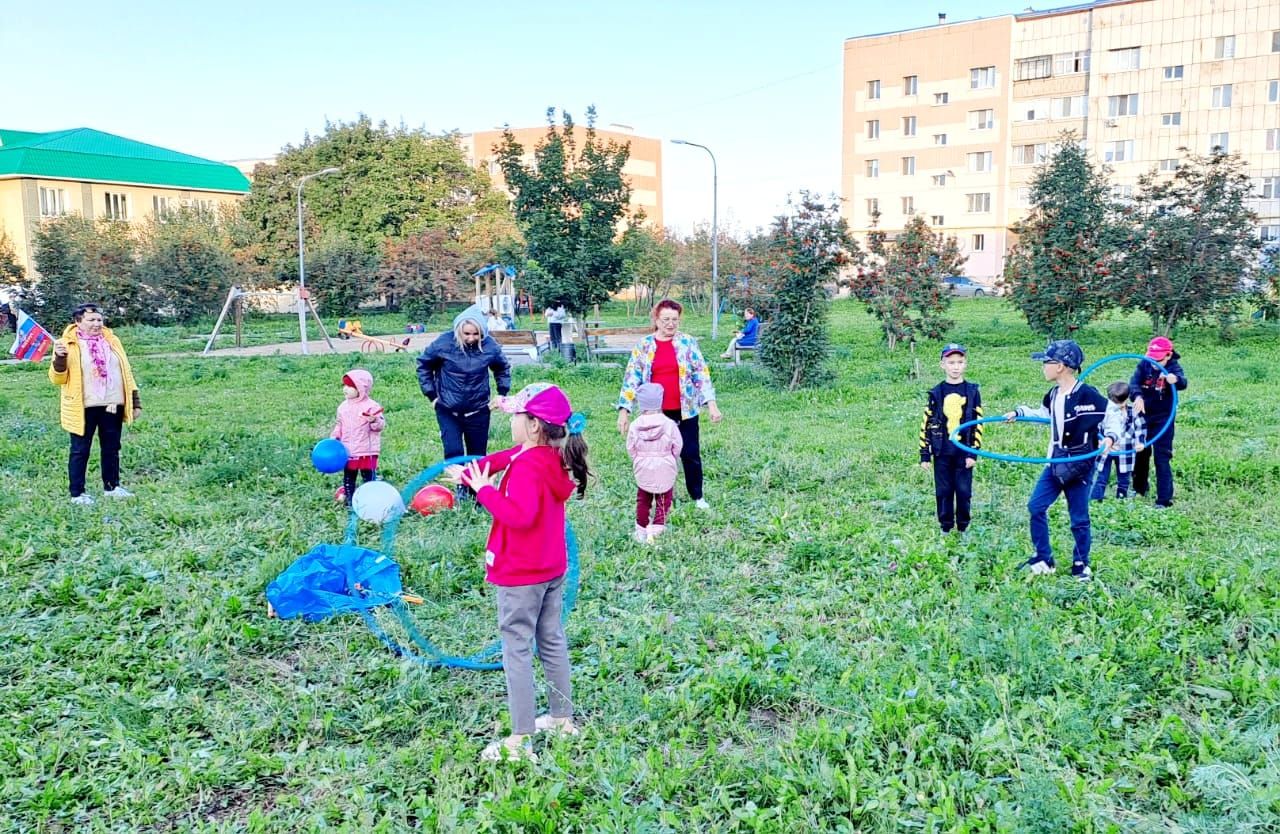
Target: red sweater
[526,543]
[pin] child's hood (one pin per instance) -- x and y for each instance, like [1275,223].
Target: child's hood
[361,379]
[651,426]
[546,459]
[475,315]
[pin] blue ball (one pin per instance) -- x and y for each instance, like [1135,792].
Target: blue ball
[329,456]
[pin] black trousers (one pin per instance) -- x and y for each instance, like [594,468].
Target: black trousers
[953,491]
[109,427]
[690,454]
[556,329]
[1162,452]
[349,481]
[463,434]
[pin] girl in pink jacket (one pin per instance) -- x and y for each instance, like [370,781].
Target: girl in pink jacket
[359,427]
[654,443]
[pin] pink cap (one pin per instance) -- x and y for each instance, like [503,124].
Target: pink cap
[1159,347]
[541,399]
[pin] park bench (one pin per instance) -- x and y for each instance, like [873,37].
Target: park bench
[738,351]
[598,340]
[522,342]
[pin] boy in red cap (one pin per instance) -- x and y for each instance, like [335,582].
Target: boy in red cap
[1151,390]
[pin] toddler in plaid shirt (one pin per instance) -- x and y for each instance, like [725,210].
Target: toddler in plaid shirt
[1131,430]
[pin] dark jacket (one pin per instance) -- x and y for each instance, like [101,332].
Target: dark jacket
[457,379]
[1082,415]
[935,428]
[1147,382]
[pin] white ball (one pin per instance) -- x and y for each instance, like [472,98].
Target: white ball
[377,501]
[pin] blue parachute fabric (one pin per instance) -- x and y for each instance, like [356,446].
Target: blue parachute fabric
[322,582]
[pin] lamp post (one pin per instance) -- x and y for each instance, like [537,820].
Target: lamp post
[302,268]
[715,238]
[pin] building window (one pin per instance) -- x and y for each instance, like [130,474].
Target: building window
[1168,165]
[1027,69]
[1030,154]
[873,206]
[1219,141]
[1121,151]
[1071,63]
[160,206]
[936,219]
[1170,119]
[979,203]
[1275,41]
[941,98]
[873,168]
[939,138]
[908,165]
[1023,196]
[982,119]
[1173,73]
[910,85]
[1034,110]
[908,205]
[979,162]
[940,179]
[873,89]
[117,206]
[908,125]
[982,78]
[1273,139]
[53,202]
[1269,233]
[1273,91]
[1126,59]
[873,129]
[1122,192]
[1071,107]
[978,243]
[1222,96]
[1270,189]
[1126,105]
[1224,47]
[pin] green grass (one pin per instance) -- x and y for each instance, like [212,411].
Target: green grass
[812,656]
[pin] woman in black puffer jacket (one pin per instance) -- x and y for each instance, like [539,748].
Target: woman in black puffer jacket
[453,372]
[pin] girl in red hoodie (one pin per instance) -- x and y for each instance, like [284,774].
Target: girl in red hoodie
[525,488]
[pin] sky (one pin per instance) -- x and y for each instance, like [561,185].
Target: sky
[758,84]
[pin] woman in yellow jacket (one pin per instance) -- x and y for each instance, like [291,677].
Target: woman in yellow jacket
[98,394]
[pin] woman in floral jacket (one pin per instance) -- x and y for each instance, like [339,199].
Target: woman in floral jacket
[672,359]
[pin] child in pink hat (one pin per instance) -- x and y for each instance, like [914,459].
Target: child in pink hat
[654,443]
[1151,389]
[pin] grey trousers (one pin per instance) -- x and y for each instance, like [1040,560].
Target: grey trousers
[526,612]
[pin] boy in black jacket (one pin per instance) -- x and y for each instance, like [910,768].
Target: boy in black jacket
[1152,395]
[951,402]
[1075,413]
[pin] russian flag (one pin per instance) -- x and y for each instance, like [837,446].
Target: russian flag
[32,342]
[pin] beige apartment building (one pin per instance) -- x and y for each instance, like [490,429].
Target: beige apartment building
[949,121]
[643,170]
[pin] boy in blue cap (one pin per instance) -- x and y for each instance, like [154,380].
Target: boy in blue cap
[1075,413]
[950,403]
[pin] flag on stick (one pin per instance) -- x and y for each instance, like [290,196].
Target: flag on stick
[32,341]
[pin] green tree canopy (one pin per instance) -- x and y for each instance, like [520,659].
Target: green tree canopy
[79,261]
[185,264]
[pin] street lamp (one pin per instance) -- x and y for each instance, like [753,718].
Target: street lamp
[302,269]
[715,238]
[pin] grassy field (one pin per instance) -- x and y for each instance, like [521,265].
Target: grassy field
[810,656]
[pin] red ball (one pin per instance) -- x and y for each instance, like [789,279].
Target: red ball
[432,498]
[341,495]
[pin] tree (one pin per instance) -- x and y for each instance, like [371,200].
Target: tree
[1192,244]
[569,203]
[648,260]
[340,273]
[79,261]
[905,290]
[419,273]
[808,248]
[12,273]
[185,264]
[1057,273]
[692,268]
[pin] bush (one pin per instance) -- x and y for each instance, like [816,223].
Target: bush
[340,273]
[186,266]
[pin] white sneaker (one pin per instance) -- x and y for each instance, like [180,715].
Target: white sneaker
[118,492]
[640,534]
[510,749]
[702,504]
[1040,568]
[555,726]
[84,499]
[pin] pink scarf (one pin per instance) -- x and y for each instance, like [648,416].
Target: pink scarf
[98,349]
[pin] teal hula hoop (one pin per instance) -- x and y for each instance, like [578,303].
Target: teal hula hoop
[1115,357]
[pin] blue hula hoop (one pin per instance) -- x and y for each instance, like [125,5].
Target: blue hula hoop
[426,653]
[1115,357]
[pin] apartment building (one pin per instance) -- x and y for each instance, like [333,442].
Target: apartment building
[643,170]
[949,121]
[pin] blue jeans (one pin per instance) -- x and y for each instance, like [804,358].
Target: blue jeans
[1100,481]
[1046,491]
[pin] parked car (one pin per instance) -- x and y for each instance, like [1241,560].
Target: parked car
[963,287]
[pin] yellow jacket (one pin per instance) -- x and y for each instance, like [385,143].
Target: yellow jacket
[71,379]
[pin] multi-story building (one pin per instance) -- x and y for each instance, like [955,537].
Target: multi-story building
[643,170]
[100,175]
[949,121]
